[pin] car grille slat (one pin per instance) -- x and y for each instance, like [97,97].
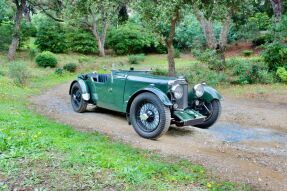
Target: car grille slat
[183,102]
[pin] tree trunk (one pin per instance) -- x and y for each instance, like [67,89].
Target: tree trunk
[224,37]
[16,32]
[169,45]
[207,28]
[277,8]
[101,48]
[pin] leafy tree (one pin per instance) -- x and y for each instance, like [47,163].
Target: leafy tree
[162,17]
[95,15]
[51,36]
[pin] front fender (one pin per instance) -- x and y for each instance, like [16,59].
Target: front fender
[209,95]
[162,96]
[85,91]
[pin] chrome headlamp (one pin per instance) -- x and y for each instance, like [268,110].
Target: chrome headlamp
[177,91]
[199,90]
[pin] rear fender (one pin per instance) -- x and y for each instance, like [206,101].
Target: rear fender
[85,91]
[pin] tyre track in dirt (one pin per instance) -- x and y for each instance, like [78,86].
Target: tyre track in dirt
[247,145]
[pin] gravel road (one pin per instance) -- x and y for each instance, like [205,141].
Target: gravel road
[248,144]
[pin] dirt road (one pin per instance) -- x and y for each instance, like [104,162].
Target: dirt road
[248,144]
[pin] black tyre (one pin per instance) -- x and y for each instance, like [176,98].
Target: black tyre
[212,110]
[150,118]
[79,105]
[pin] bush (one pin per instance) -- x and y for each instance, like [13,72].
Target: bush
[247,53]
[82,41]
[32,52]
[198,73]
[59,71]
[51,36]
[176,53]
[249,71]
[130,39]
[46,59]
[160,72]
[19,73]
[136,58]
[6,29]
[209,57]
[71,67]
[262,39]
[83,59]
[275,55]
[282,74]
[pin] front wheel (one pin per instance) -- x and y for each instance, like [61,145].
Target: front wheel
[212,112]
[78,103]
[150,118]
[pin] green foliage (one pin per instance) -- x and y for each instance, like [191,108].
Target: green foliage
[51,36]
[82,41]
[18,71]
[136,58]
[176,53]
[260,21]
[275,55]
[247,53]
[282,74]
[130,39]
[262,39]
[70,67]
[6,28]
[198,73]
[59,71]
[32,52]
[249,71]
[46,59]
[83,59]
[160,72]
[209,57]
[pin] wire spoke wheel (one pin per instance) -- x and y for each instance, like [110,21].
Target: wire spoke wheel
[148,117]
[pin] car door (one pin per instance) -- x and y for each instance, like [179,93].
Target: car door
[118,81]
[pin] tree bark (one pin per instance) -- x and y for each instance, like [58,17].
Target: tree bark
[207,28]
[17,27]
[277,8]
[224,37]
[169,45]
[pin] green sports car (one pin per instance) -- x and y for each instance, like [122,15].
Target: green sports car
[151,103]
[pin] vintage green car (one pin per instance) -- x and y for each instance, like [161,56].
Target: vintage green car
[151,103]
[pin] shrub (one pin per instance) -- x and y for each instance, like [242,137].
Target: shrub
[160,72]
[262,39]
[6,29]
[176,53]
[198,73]
[70,67]
[136,58]
[51,36]
[130,39]
[46,59]
[82,41]
[83,59]
[249,71]
[32,52]
[247,53]
[275,55]
[59,71]
[209,57]
[282,74]
[19,73]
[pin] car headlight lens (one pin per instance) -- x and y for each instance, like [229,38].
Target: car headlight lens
[177,91]
[199,90]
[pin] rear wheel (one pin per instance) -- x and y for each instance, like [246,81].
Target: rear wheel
[212,112]
[150,118]
[79,105]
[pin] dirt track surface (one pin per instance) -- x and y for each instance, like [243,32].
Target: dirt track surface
[248,144]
